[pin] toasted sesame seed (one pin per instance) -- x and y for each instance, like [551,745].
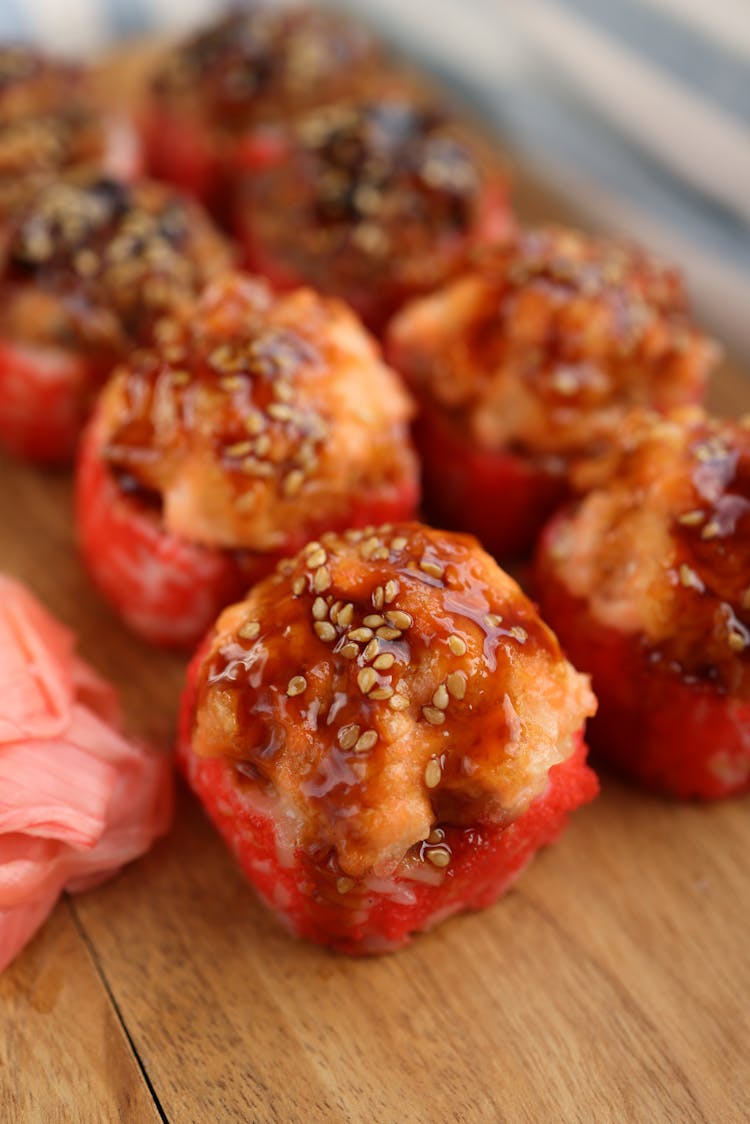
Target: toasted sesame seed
[249,631]
[320,609]
[433,773]
[316,558]
[279,411]
[377,597]
[368,547]
[689,579]
[736,641]
[381,693]
[439,856]
[344,885]
[390,592]
[298,586]
[347,736]
[432,715]
[374,620]
[371,651]
[361,635]
[297,684]
[399,702]
[437,835]
[322,579]
[519,633]
[398,543]
[384,661]
[283,391]
[493,620]
[457,645]
[440,699]
[256,468]
[254,423]
[345,615]
[379,555]
[365,741]
[180,378]
[231,382]
[399,619]
[389,633]
[691,518]
[325,631]
[431,568]
[711,530]
[366,679]
[293,481]
[456,684]
[349,651]
[333,612]
[239,449]
[353,536]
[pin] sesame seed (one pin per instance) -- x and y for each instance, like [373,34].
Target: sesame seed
[384,661]
[366,680]
[322,579]
[736,641]
[231,382]
[374,620]
[377,597]
[381,693]
[312,547]
[431,568]
[432,715]
[353,536]
[344,885]
[254,423]
[368,547]
[320,609]
[390,592]
[239,449]
[347,736]
[691,518]
[399,702]
[457,645]
[345,615]
[389,633]
[456,684]
[293,482]
[249,631]
[262,445]
[519,633]
[440,699]
[180,378]
[398,543]
[297,684]
[437,835]
[349,651]
[298,586]
[283,391]
[333,612]
[399,619]
[493,620]
[365,741]
[711,530]
[433,773]
[256,468]
[361,635]
[371,651]
[316,558]
[379,555]
[279,411]
[689,579]
[325,631]
[439,856]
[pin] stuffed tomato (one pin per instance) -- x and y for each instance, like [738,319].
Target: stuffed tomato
[647,582]
[253,424]
[90,265]
[530,361]
[384,732]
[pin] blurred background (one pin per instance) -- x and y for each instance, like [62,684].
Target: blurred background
[636,112]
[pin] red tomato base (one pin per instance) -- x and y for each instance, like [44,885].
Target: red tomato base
[673,735]
[376,915]
[187,154]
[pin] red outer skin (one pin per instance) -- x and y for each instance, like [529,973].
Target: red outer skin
[169,590]
[665,732]
[185,153]
[502,498]
[43,398]
[486,860]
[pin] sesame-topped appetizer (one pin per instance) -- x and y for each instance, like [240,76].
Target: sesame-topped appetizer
[647,582]
[255,64]
[374,201]
[50,121]
[253,424]
[384,732]
[88,267]
[531,360]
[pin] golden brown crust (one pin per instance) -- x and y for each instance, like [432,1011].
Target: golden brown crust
[255,413]
[385,681]
[551,340]
[661,546]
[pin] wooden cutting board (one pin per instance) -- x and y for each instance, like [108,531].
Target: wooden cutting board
[612,984]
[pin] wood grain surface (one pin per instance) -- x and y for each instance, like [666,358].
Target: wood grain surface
[612,984]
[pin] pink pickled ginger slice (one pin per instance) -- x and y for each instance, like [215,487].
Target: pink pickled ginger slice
[77,799]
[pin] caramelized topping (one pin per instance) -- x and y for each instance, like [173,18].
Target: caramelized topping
[370,734]
[546,345]
[662,545]
[255,417]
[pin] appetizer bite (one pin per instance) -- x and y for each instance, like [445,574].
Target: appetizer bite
[384,732]
[50,121]
[530,361]
[252,65]
[374,201]
[647,582]
[77,800]
[253,424]
[88,267]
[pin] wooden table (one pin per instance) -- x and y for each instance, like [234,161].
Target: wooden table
[612,984]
